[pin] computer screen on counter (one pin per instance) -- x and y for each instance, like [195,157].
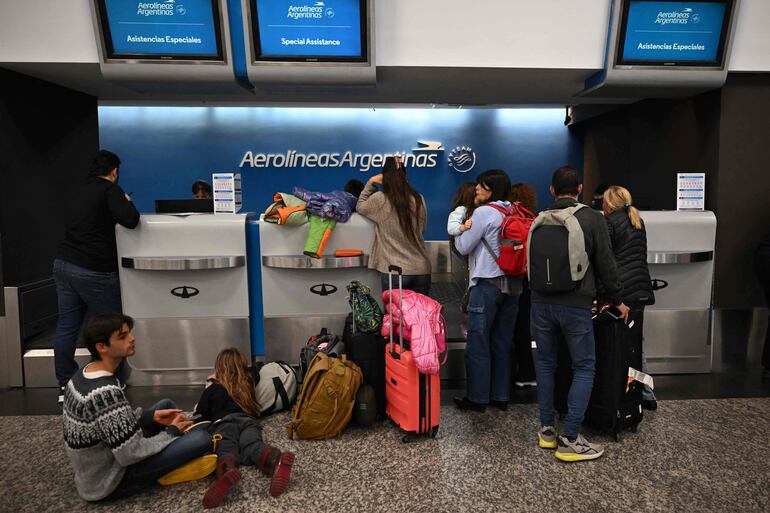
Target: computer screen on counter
[166,30]
[673,33]
[309,30]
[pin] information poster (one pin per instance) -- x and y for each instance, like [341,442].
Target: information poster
[309,28]
[691,191]
[673,31]
[228,195]
[162,27]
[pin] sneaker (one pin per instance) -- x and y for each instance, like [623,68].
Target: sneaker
[282,474]
[579,450]
[61,395]
[463,403]
[195,469]
[546,437]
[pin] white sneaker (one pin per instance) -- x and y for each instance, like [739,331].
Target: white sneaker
[61,395]
[525,384]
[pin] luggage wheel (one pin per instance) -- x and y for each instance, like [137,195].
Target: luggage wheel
[407,438]
[619,436]
[635,428]
[434,432]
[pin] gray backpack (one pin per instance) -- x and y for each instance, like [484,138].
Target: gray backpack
[556,251]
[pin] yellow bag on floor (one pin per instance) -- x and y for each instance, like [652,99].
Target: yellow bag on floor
[195,469]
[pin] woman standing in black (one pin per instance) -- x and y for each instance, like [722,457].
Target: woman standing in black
[629,245]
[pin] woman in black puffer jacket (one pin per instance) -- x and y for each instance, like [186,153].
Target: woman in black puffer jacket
[629,244]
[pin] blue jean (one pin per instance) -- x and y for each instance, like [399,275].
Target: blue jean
[80,291]
[141,475]
[491,322]
[419,283]
[548,323]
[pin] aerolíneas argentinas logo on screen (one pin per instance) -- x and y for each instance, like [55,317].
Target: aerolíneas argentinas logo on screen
[165,8]
[682,17]
[313,10]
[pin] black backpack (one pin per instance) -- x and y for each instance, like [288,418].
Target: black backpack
[556,259]
[324,342]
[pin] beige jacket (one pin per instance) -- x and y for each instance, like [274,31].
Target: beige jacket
[391,246]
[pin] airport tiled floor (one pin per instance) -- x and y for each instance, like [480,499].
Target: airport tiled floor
[690,456]
[705,449]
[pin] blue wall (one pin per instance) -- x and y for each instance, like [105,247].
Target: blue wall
[165,149]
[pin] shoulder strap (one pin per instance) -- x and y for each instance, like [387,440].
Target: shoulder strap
[489,248]
[500,209]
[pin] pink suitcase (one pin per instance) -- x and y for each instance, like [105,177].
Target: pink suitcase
[412,399]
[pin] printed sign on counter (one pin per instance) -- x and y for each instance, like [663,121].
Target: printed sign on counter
[228,196]
[691,191]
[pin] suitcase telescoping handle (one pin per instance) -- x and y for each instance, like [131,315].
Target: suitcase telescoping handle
[391,270]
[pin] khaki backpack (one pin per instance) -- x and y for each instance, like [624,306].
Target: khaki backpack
[325,403]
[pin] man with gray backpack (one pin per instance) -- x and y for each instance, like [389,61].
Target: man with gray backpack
[567,251]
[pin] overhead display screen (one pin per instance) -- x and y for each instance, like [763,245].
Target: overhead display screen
[162,29]
[673,33]
[309,30]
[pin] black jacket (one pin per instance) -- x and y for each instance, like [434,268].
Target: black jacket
[630,248]
[93,209]
[602,263]
[215,403]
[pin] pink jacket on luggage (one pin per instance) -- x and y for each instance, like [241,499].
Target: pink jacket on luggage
[423,327]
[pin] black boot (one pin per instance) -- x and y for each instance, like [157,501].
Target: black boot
[463,403]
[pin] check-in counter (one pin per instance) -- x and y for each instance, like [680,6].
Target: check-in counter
[299,294]
[184,281]
[680,255]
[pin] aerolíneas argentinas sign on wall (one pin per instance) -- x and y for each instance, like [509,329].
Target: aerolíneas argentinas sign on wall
[426,156]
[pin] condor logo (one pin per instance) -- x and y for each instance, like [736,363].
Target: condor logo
[185,292]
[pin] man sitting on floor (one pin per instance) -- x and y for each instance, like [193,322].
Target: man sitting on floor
[115,450]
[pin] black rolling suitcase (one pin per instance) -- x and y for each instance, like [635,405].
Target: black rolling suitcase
[367,350]
[616,404]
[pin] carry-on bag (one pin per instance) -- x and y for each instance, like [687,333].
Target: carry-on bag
[616,400]
[276,386]
[324,342]
[367,350]
[326,400]
[413,399]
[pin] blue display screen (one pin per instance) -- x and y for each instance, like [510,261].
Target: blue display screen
[309,29]
[161,28]
[673,32]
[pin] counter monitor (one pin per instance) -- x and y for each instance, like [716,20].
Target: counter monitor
[673,33]
[309,30]
[161,30]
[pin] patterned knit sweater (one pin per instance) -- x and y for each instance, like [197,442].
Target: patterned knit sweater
[103,434]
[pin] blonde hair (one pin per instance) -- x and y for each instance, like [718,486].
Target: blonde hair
[232,370]
[616,197]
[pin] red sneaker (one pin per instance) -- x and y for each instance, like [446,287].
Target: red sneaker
[282,474]
[217,492]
